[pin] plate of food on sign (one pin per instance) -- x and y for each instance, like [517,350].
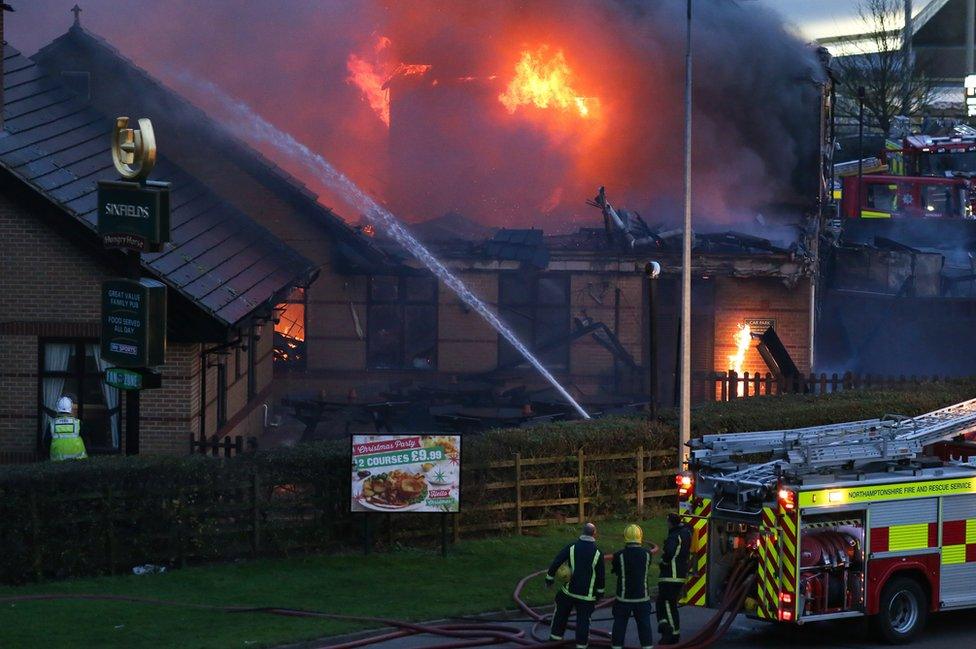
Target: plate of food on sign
[391,491]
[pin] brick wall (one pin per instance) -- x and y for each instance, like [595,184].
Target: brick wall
[466,343]
[739,299]
[50,286]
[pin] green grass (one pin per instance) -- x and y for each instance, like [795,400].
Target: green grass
[414,584]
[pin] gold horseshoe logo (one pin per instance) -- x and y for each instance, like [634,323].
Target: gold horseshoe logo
[133,151]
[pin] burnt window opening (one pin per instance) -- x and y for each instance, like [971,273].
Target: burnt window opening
[78,82]
[74,368]
[401,332]
[289,330]
[537,308]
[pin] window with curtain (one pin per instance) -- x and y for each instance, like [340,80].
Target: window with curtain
[74,368]
[401,331]
[537,308]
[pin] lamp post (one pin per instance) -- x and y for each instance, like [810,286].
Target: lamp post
[860,146]
[652,270]
[684,428]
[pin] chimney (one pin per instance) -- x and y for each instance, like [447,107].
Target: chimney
[4,7]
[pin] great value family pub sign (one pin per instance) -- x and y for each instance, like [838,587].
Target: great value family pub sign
[133,322]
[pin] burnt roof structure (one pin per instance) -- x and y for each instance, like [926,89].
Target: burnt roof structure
[219,259]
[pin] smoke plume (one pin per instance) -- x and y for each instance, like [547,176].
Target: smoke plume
[453,144]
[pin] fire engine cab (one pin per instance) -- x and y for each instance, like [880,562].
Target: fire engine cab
[897,197]
[871,518]
[926,155]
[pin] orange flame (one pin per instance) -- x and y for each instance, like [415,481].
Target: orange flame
[543,80]
[372,77]
[743,339]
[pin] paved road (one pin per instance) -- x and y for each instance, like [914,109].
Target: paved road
[945,631]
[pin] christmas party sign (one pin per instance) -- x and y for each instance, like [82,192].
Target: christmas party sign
[406,473]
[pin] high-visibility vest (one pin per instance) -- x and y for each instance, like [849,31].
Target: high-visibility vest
[66,442]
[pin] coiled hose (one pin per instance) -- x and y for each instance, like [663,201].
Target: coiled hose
[471,634]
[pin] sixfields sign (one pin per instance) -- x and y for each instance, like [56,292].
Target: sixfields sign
[133,216]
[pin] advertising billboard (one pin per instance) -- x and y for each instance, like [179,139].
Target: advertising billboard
[406,473]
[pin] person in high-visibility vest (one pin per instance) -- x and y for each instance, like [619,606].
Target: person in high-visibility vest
[674,569]
[631,565]
[584,585]
[65,431]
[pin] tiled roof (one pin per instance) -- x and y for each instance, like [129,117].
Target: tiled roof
[305,200]
[219,258]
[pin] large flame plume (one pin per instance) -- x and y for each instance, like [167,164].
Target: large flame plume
[321,70]
[372,77]
[743,340]
[543,79]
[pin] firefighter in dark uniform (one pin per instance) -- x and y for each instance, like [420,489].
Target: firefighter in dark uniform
[674,569]
[631,565]
[583,588]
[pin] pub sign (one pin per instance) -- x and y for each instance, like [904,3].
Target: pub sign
[133,322]
[132,215]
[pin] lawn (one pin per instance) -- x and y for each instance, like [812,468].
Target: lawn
[415,584]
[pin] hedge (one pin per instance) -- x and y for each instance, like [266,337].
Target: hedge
[108,514]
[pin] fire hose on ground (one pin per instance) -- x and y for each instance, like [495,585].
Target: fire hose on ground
[468,634]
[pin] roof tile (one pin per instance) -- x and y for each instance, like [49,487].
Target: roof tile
[218,257]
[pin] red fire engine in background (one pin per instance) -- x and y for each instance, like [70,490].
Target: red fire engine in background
[927,155]
[891,196]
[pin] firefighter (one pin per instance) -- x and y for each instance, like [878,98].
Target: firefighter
[583,588]
[631,565]
[65,432]
[674,568]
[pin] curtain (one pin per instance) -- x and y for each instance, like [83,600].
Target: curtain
[111,396]
[56,356]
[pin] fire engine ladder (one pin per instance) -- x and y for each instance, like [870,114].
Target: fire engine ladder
[904,439]
[723,446]
[807,449]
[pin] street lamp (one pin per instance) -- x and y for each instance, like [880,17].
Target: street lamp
[860,146]
[652,270]
[684,426]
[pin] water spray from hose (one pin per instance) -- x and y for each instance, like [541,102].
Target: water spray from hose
[251,126]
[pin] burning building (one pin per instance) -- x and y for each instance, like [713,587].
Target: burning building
[513,136]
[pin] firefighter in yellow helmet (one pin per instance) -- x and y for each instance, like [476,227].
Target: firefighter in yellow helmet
[65,431]
[631,565]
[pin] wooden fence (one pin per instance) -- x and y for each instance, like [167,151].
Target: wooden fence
[226,446]
[527,492]
[728,386]
[221,510]
[18,457]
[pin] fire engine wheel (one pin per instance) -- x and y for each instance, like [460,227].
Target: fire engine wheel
[902,611]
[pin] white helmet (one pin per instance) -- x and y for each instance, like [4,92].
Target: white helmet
[65,405]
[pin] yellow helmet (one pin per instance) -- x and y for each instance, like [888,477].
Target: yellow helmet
[634,534]
[563,573]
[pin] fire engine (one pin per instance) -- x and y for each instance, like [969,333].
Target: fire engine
[888,196]
[926,155]
[871,518]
